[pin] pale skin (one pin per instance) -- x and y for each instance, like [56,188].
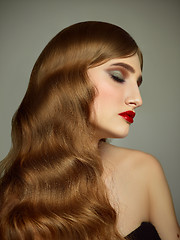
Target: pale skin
[135,181]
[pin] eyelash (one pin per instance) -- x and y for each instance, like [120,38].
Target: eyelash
[117,79]
[120,80]
[139,83]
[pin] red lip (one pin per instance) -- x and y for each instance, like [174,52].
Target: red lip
[128,116]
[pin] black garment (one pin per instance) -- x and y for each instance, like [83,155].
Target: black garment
[145,232]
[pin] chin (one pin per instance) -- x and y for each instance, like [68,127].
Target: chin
[119,135]
[122,133]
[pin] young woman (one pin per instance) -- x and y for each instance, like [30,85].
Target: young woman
[61,179]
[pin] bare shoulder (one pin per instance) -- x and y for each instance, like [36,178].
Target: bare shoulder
[134,160]
[144,162]
[144,175]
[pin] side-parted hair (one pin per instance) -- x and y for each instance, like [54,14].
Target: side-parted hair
[51,186]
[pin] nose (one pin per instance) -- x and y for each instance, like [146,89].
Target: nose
[134,98]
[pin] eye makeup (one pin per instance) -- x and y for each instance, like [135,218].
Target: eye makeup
[120,71]
[116,76]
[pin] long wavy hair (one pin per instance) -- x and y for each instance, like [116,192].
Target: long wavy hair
[51,181]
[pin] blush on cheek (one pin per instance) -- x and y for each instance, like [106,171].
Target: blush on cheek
[106,91]
[108,95]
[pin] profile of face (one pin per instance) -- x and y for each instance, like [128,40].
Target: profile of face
[117,96]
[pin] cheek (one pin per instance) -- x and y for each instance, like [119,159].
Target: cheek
[108,95]
[107,102]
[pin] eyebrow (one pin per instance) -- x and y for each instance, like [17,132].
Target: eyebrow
[127,66]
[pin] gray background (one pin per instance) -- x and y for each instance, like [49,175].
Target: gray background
[27,26]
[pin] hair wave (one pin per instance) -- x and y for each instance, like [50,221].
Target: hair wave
[51,185]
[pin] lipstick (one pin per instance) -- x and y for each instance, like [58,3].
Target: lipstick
[128,116]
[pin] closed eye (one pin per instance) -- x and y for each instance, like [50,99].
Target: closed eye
[117,79]
[117,76]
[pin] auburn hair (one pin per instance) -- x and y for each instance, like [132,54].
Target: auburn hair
[51,183]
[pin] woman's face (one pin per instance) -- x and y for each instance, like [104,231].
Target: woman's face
[117,82]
